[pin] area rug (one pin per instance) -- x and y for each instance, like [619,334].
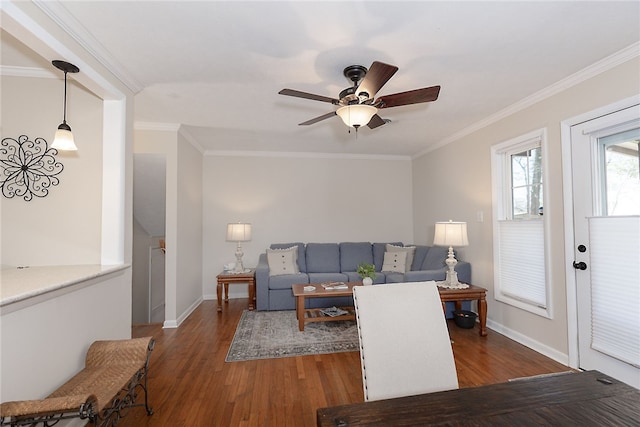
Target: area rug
[274,334]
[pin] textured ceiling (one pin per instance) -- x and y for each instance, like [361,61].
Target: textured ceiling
[216,67]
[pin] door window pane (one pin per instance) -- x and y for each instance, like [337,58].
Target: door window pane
[621,176]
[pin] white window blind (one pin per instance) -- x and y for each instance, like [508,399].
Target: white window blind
[521,260]
[615,287]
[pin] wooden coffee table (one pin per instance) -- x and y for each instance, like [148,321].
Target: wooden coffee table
[472,293]
[313,314]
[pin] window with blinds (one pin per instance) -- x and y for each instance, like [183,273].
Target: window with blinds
[520,277]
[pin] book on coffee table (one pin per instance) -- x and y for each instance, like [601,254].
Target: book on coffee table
[333,311]
[331,286]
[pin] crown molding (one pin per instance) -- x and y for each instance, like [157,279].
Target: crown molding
[303,155]
[61,16]
[591,71]
[14,71]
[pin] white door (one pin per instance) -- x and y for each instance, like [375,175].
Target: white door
[606,218]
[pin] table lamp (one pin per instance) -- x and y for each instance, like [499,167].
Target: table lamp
[238,232]
[451,234]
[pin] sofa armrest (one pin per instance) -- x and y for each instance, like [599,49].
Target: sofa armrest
[463,269]
[262,283]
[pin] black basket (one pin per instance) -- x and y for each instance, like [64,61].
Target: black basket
[465,319]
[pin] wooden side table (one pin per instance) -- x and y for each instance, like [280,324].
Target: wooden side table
[225,278]
[470,294]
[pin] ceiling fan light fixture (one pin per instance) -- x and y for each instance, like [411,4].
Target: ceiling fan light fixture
[356,115]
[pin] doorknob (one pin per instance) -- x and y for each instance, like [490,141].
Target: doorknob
[579,265]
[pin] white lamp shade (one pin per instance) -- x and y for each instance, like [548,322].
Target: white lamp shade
[356,115]
[451,234]
[63,141]
[238,232]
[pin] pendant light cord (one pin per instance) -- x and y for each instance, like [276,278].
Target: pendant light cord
[64,114]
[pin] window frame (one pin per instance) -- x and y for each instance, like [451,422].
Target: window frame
[502,210]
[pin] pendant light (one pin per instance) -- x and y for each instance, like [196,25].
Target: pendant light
[63,139]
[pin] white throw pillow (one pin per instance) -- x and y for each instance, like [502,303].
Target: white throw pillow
[410,250]
[394,261]
[283,261]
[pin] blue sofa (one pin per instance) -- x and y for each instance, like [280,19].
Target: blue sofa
[324,262]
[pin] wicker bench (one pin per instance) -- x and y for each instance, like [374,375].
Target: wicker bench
[102,392]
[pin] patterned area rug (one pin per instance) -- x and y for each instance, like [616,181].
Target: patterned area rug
[273,334]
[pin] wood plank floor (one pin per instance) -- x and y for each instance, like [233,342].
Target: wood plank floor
[191,384]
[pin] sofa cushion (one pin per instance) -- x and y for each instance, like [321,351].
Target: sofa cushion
[327,277]
[410,250]
[323,258]
[302,262]
[285,281]
[418,258]
[435,258]
[283,261]
[378,253]
[394,261]
[394,277]
[354,253]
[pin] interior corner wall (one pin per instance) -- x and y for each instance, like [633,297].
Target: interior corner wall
[188,240]
[69,218]
[295,198]
[454,182]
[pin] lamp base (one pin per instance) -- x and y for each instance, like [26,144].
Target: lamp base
[451,280]
[239,268]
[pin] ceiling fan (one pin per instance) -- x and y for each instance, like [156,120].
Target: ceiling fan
[358,105]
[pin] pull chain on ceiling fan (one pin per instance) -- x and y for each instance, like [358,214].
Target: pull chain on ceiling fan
[357,104]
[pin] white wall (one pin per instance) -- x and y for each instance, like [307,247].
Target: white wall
[468,191]
[189,237]
[301,198]
[64,227]
[44,344]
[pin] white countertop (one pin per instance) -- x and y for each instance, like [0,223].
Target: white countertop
[18,284]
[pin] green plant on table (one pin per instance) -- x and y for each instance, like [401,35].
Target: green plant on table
[366,270]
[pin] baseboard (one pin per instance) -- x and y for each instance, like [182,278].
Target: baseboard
[168,324]
[528,342]
[214,297]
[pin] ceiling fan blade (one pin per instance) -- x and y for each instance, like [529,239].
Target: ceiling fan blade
[318,119]
[379,73]
[375,122]
[305,95]
[416,96]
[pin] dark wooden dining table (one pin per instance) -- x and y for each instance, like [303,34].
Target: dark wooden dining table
[568,399]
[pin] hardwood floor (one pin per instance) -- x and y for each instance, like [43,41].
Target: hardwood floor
[190,384]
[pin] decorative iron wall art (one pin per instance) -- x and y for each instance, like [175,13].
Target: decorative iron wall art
[28,168]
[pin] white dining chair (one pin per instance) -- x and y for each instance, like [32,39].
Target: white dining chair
[404,342]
